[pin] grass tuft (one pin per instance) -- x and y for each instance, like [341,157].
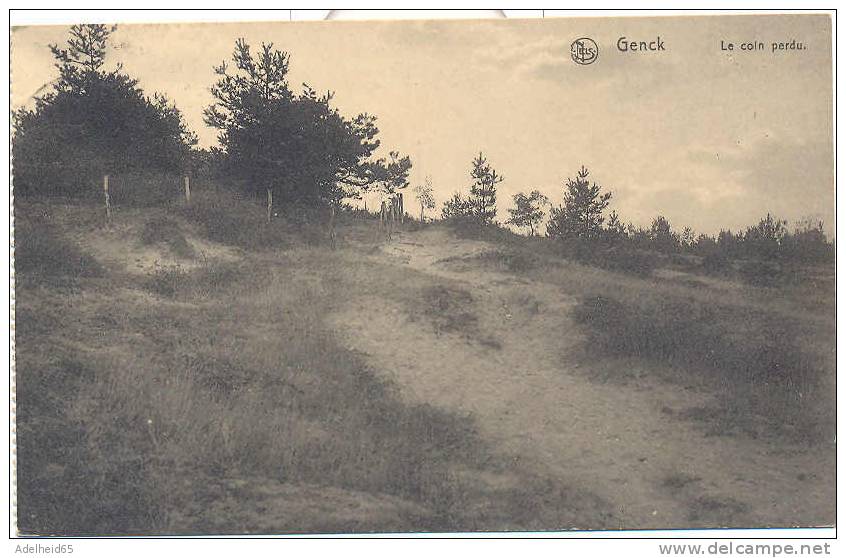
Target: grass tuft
[450,309]
[166,231]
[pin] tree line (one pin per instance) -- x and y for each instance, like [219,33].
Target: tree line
[300,149]
[297,145]
[582,217]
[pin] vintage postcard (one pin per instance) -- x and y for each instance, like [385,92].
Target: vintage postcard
[424,276]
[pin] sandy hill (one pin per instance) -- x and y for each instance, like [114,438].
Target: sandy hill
[186,371]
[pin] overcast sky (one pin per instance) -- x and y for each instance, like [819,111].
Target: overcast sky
[709,138]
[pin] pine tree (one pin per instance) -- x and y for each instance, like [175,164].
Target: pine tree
[662,236]
[425,196]
[580,216]
[688,238]
[94,121]
[528,210]
[615,227]
[297,146]
[764,239]
[483,190]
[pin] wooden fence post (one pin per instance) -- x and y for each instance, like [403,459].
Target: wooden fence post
[269,204]
[187,189]
[382,227]
[332,227]
[401,210]
[106,195]
[392,218]
[387,221]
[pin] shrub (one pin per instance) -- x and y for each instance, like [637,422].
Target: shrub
[761,273]
[347,211]
[214,277]
[468,226]
[464,226]
[513,260]
[715,263]
[144,189]
[226,219]
[663,332]
[621,257]
[164,230]
[627,259]
[211,278]
[413,225]
[450,309]
[167,280]
[758,357]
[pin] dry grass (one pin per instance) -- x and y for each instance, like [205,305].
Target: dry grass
[249,384]
[42,255]
[166,231]
[769,378]
[208,279]
[141,398]
[241,221]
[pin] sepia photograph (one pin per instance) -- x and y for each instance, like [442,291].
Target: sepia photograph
[423,276]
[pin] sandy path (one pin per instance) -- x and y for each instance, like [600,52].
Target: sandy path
[533,405]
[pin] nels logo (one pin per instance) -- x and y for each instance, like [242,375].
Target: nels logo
[584,51]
